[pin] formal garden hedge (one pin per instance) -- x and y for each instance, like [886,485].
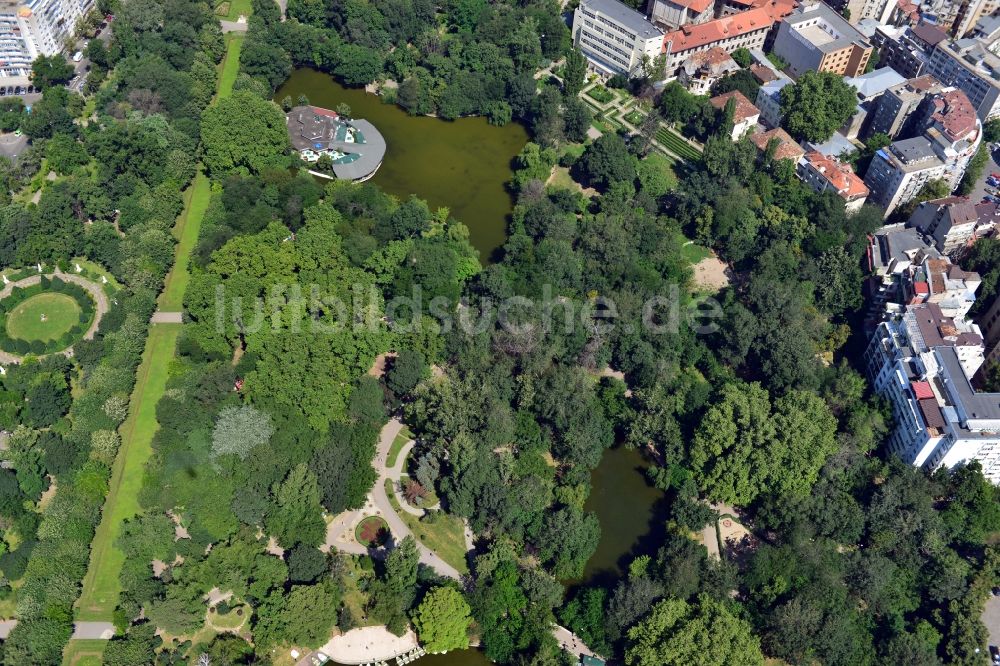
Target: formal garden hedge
[18,295]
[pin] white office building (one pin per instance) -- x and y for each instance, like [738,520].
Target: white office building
[615,38]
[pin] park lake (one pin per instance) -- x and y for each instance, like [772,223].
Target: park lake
[461,164]
[464,165]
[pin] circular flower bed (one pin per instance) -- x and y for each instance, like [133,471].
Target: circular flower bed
[44,318]
[371,531]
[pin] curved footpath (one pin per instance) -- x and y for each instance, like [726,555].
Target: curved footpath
[94,289]
[376,643]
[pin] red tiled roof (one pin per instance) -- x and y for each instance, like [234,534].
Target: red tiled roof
[759,18]
[744,107]
[922,390]
[921,288]
[840,176]
[926,32]
[320,111]
[955,114]
[762,73]
[932,413]
[714,56]
[697,6]
[787,148]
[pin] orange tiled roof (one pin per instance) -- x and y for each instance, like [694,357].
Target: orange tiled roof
[760,17]
[762,73]
[840,176]
[955,113]
[787,148]
[697,6]
[744,108]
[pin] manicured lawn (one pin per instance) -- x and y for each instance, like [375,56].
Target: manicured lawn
[600,93]
[676,144]
[186,231]
[43,317]
[101,586]
[397,445]
[445,535]
[635,117]
[84,653]
[231,620]
[230,66]
[237,7]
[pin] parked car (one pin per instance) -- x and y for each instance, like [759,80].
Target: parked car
[994,654]
[78,56]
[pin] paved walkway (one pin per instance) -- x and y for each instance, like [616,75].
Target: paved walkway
[234,26]
[95,290]
[365,645]
[571,642]
[160,317]
[82,631]
[991,618]
[93,630]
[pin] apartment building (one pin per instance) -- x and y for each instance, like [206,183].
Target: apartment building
[893,109]
[672,14]
[15,70]
[769,100]
[906,49]
[828,174]
[814,37]
[897,172]
[949,222]
[615,38]
[858,10]
[47,24]
[969,65]
[921,361]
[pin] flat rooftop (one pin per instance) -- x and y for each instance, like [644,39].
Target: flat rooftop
[623,15]
[834,34]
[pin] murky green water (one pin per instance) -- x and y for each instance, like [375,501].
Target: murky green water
[462,164]
[625,505]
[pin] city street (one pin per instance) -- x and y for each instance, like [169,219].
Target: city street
[991,166]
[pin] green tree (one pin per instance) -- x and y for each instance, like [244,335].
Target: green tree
[442,620]
[574,72]
[816,105]
[304,616]
[407,370]
[741,56]
[991,130]
[49,71]
[607,161]
[296,515]
[705,633]
[243,133]
[239,429]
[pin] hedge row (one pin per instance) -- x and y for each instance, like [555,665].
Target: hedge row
[38,347]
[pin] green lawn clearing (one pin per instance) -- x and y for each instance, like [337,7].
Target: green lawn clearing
[442,533]
[238,7]
[600,94]
[231,620]
[230,66]
[397,445]
[693,253]
[84,653]
[635,117]
[101,586]
[44,317]
[676,144]
[186,231]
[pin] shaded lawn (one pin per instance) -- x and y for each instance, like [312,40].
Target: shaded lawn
[101,585]
[230,66]
[445,536]
[186,231]
[84,653]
